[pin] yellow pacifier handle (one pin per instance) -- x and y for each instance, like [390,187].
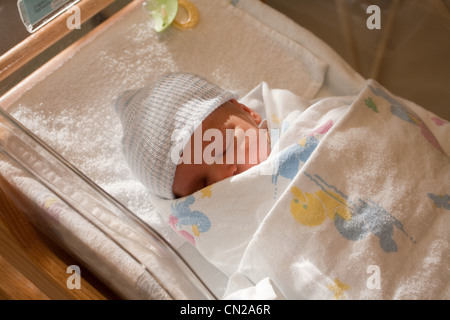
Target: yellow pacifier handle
[192,12]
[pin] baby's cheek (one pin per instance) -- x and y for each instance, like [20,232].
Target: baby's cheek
[254,154]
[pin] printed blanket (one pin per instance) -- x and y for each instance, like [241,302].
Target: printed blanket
[353,203]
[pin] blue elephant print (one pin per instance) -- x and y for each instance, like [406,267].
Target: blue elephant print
[182,216]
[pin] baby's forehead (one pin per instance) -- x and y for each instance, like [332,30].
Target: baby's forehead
[222,114]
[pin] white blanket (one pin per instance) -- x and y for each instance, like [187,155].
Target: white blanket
[353,203]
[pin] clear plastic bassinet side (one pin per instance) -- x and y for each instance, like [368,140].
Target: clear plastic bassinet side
[125,253]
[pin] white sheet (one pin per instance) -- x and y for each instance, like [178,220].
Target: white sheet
[340,78]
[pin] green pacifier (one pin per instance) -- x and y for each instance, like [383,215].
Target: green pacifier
[162,11]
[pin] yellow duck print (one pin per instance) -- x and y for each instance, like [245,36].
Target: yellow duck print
[338,289]
[275,119]
[354,220]
[312,209]
[49,202]
[206,192]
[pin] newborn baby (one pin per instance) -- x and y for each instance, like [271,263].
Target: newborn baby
[184,133]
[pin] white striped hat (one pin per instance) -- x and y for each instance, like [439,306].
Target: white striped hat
[159,118]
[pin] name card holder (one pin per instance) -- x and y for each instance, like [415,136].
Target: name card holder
[37,13]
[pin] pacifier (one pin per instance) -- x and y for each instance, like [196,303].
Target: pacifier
[166,13]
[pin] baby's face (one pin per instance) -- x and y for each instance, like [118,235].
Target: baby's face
[232,142]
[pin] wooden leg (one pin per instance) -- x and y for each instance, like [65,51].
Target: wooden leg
[36,268]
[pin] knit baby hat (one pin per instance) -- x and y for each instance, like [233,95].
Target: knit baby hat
[158,118]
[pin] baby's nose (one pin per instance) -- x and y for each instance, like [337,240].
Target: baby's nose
[220,172]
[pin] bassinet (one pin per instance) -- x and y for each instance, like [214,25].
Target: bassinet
[105,223]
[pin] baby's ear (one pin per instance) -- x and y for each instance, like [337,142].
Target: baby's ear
[255,115]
